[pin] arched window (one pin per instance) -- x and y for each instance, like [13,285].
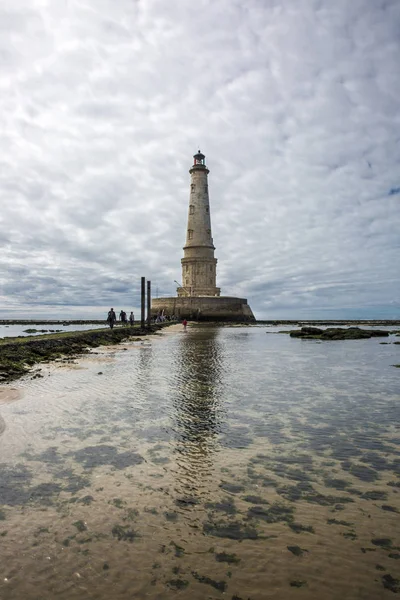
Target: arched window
[190,234]
[191,209]
[192,187]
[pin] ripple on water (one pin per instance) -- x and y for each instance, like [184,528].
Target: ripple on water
[216,461]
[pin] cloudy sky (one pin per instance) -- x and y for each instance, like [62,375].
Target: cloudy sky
[296,105]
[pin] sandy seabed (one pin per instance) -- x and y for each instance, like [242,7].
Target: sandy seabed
[212,464]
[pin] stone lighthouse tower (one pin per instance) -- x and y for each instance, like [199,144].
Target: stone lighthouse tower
[198,298]
[198,262]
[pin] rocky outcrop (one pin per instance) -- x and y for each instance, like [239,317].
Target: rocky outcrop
[337,333]
[18,355]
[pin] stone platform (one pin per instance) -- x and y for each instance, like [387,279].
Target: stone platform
[209,308]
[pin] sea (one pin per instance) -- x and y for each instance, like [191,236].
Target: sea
[221,462]
[34,329]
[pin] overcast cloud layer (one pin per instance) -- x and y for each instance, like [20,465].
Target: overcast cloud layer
[296,104]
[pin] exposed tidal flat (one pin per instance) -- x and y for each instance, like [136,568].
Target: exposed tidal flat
[221,462]
[18,355]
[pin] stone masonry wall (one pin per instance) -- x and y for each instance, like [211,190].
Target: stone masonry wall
[204,309]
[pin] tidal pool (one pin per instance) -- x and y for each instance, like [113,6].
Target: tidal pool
[221,462]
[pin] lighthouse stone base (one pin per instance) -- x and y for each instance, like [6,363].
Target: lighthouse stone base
[208,308]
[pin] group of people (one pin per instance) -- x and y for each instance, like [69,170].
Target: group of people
[159,318]
[112,318]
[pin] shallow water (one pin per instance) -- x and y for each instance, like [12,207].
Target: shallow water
[220,462]
[20,330]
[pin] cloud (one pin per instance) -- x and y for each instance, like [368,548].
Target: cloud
[295,105]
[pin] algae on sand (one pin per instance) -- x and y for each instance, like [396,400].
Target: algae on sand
[17,355]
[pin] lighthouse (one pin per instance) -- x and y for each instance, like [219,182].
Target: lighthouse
[199,265]
[198,297]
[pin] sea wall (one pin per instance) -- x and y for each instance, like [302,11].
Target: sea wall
[217,308]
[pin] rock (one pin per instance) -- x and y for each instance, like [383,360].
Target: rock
[337,333]
[312,330]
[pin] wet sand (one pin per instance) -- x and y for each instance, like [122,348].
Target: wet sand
[204,465]
[9,394]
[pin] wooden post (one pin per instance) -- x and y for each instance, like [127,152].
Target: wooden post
[142,302]
[149,304]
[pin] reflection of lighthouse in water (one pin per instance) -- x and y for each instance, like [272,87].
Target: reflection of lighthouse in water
[196,403]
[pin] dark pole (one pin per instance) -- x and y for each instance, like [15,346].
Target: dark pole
[142,302]
[149,304]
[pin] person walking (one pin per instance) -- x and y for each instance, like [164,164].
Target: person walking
[132,319]
[111,318]
[184,323]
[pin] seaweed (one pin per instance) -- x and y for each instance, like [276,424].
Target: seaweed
[296,550]
[339,484]
[299,528]
[274,514]
[395,484]
[389,508]
[375,460]
[350,535]
[218,585]
[337,522]
[233,488]
[131,514]
[80,525]
[374,495]
[152,510]
[96,456]
[385,542]
[234,530]
[125,534]
[179,550]
[305,491]
[13,482]
[117,502]
[171,516]
[228,558]
[187,501]
[364,473]
[255,500]
[390,583]
[86,500]
[178,584]
[226,506]
[43,493]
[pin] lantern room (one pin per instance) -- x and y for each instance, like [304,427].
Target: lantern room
[199,159]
